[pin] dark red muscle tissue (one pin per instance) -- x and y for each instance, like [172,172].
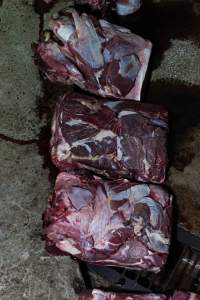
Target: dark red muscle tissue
[123,7]
[112,138]
[100,295]
[99,57]
[115,223]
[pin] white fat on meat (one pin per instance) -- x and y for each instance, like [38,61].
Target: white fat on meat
[124,113]
[63,151]
[74,122]
[67,246]
[157,241]
[104,134]
[81,143]
[112,104]
[138,192]
[119,148]
[97,138]
[147,166]
[98,295]
[101,223]
[64,32]
[53,125]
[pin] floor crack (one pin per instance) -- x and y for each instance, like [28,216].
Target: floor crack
[17,141]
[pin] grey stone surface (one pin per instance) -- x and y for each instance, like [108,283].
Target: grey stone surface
[185,183]
[26,271]
[19,84]
[175,83]
[180,63]
[60,5]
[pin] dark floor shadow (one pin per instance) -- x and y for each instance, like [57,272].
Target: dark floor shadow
[183,104]
[162,22]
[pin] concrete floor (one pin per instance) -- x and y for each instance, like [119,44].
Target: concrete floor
[26,271]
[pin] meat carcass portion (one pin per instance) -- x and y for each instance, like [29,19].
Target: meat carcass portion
[96,4]
[100,295]
[127,7]
[115,223]
[123,7]
[179,295]
[111,138]
[99,57]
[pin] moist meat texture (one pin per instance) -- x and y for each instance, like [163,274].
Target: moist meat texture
[98,56]
[123,7]
[114,223]
[100,295]
[112,138]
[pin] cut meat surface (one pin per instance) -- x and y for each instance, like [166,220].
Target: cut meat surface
[95,4]
[123,7]
[127,7]
[115,223]
[99,57]
[100,295]
[112,138]
[178,295]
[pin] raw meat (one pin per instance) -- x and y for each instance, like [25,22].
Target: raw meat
[127,7]
[116,223]
[100,295]
[99,57]
[178,295]
[112,138]
[95,4]
[123,7]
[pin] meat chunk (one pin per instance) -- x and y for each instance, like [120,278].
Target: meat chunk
[127,7]
[179,295]
[99,57]
[112,138]
[95,4]
[115,223]
[123,7]
[100,295]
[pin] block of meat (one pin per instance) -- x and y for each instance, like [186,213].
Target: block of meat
[127,7]
[98,56]
[179,295]
[95,4]
[111,138]
[114,223]
[123,7]
[100,295]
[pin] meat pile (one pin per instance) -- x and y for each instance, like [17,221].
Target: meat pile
[112,138]
[123,7]
[99,57]
[115,223]
[100,295]
[122,219]
[108,206]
